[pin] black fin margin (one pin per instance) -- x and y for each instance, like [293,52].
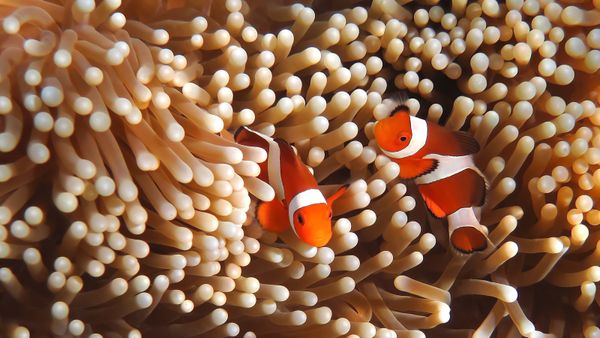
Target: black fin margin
[488,244]
[238,131]
[400,97]
[256,206]
[435,165]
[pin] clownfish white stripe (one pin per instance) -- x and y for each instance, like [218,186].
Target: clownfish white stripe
[418,128]
[273,163]
[304,199]
[447,166]
[274,169]
[464,217]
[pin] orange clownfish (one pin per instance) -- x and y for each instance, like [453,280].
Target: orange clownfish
[441,163]
[298,202]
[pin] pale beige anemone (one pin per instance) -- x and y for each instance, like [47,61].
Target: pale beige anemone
[126,209]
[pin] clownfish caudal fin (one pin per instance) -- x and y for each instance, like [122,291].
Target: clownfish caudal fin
[337,194]
[466,234]
[468,240]
[272,216]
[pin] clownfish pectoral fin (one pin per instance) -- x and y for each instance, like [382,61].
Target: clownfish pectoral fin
[413,168]
[466,234]
[272,216]
[337,194]
[467,143]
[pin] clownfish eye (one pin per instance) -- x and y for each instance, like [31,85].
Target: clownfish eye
[300,219]
[402,138]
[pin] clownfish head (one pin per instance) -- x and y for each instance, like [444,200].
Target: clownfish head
[401,135]
[312,223]
[394,132]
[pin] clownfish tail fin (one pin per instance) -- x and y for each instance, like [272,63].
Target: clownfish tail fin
[466,234]
[468,240]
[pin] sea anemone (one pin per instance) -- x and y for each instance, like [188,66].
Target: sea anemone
[126,208]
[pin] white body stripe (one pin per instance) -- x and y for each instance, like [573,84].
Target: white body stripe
[464,217]
[447,166]
[304,199]
[418,128]
[274,169]
[273,164]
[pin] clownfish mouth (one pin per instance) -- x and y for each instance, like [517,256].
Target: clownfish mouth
[313,224]
[318,240]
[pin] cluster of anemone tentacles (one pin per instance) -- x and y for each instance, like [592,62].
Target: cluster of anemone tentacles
[126,209]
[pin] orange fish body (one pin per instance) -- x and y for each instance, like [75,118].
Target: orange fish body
[298,202]
[441,163]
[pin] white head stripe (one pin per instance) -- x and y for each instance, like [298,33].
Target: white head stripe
[418,128]
[304,199]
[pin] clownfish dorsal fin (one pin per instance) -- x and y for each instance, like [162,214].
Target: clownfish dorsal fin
[286,150]
[401,108]
[466,142]
[397,100]
[246,136]
[337,194]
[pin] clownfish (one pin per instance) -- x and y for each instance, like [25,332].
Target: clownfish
[298,202]
[440,161]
